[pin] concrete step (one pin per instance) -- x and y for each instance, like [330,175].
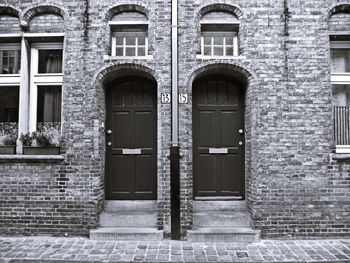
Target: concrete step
[127,233]
[128,219]
[134,205]
[221,219]
[229,234]
[202,206]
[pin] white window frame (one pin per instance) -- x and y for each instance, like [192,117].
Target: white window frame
[10,79]
[212,33]
[125,25]
[41,79]
[340,78]
[114,44]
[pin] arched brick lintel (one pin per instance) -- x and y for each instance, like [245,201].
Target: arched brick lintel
[127,8]
[112,72]
[220,7]
[233,69]
[339,8]
[31,12]
[9,11]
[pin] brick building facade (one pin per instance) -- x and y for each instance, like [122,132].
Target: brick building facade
[277,55]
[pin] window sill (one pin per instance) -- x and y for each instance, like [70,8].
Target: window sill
[219,57]
[31,158]
[113,58]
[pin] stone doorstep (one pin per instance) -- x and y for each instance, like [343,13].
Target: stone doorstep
[127,233]
[222,234]
[223,219]
[128,219]
[127,205]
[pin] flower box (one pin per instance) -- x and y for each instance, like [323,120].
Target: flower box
[41,150]
[7,149]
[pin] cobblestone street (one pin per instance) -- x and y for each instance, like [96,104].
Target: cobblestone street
[78,249]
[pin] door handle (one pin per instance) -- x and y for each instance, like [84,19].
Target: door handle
[109,132]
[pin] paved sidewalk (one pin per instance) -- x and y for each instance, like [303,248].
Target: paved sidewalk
[78,249]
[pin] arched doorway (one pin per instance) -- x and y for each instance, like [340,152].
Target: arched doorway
[131,139]
[218,137]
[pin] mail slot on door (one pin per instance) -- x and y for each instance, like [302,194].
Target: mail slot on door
[218,151]
[131,151]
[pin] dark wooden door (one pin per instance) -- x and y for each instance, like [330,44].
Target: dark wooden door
[131,138]
[218,126]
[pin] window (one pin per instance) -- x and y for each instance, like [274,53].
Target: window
[130,44]
[219,44]
[10,59]
[129,35]
[46,86]
[219,35]
[340,78]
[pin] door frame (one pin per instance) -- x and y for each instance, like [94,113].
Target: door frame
[242,88]
[108,91]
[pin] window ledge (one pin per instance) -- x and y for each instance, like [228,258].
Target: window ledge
[31,158]
[219,57]
[340,156]
[112,58]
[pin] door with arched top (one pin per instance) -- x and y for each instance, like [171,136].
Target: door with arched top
[218,137]
[131,139]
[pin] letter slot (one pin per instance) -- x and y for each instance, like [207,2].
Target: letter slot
[218,151]
[131,151]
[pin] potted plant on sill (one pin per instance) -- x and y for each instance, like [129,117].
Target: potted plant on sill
[40,143]
[8,144]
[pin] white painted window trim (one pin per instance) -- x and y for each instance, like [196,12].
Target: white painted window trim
[340,78]
[212,56]
[114,46]
[126,23]
[10,79]
[40,79]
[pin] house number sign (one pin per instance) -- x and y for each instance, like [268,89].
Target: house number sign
[166,98]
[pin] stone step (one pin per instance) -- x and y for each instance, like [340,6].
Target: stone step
[202,206]
[222,219]
[127,233]
[230,234]
[127,205]
[128,219]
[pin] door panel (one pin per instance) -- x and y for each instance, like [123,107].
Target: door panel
[131,155]
[218,111]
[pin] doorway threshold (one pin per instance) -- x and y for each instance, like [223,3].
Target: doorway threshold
[218,198]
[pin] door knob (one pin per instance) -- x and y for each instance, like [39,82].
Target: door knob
[240,143]
[241,131]
[109,131]
[109,143]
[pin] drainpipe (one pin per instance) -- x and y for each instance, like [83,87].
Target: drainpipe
[174,148]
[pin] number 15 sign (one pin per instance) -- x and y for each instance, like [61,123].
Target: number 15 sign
[166,98]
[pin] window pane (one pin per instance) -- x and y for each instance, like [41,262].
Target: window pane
[218,51]
[119,40]
[49,104]
[340,59]
[141,51]
[207,40]
[130,40]
[207,51]
[229,40]
[10,61]
[9,101]
[130,51]
[229,51]
[119,51]
[50,61]
[218,40]
[141,40]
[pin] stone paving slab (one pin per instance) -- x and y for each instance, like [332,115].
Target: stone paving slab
[83,250]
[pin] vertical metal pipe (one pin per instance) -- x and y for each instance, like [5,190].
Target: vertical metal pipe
[174,149]
[174,74]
